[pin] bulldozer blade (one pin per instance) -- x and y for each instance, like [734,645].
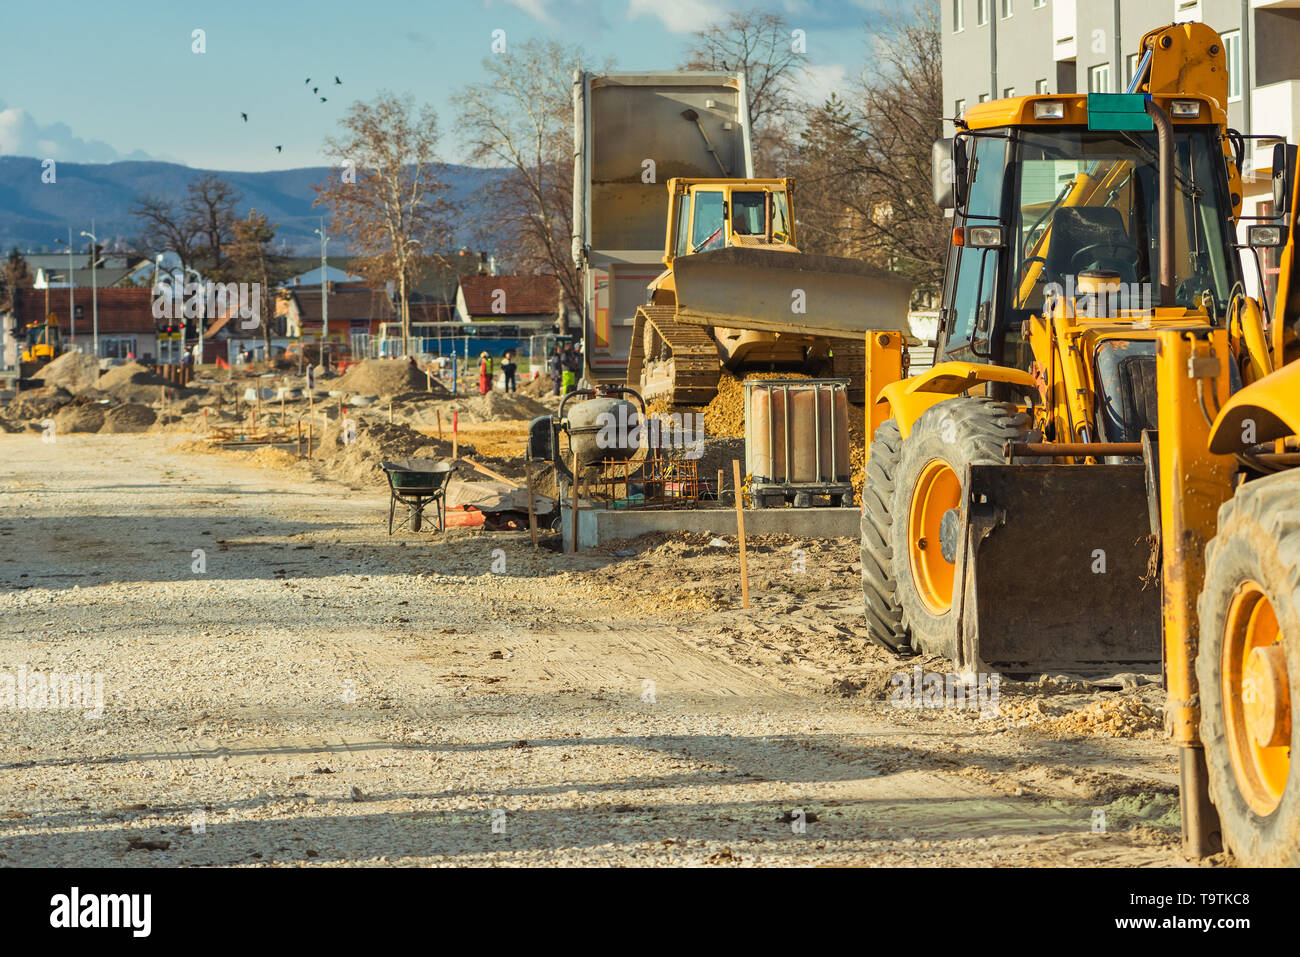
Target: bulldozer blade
[779,291]
[1055,571]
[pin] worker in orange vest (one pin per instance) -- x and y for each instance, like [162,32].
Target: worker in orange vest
[484,373]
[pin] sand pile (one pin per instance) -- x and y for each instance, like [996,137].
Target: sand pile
[538,387]
[131,417]
[79,417]
[38,403]
[133,382]
[1120,717]
[357,462]
[493,407]
[385,377]
[73,371]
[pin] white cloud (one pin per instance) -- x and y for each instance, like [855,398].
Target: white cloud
[679,16]
[817,83]
[534,8]
[21,135]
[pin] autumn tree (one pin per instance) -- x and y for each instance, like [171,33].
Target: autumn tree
[760,45]
[388,198]
[521,118]
[862,164]
[251,260]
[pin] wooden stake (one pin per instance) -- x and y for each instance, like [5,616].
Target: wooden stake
[390,413]
[532,515]
[438,413]
[719,486]
[455,435]
[740,533]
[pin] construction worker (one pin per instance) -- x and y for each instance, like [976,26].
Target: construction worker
[508,367]
[484,373]
[572,366]
[556,367]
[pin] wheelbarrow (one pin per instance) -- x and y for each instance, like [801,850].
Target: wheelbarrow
[417,483]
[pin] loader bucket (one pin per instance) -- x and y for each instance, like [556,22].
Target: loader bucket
[780,291]
[1055,574]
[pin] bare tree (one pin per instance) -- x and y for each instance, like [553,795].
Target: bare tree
[387,198]
[521,118]
[210,202]
[863,164]
[14,275]
[758,44]
[251,260]
[167,226]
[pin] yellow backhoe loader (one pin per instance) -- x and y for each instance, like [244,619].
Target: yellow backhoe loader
[1008,516]
[41,343]
[1229,506]
[738,294]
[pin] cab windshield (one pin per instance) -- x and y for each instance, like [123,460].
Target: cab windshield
[1088,200]
[749,213]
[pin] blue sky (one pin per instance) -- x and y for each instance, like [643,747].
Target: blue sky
[95,82]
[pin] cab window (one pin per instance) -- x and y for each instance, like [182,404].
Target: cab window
[680,248]
[706,228]
[749,213]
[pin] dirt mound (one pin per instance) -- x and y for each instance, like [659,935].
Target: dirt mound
[133,382]
[493,407]
[538,387]
[73,371]
[38,403]
[384,377]
[79,417]
[357,462]
[131,417]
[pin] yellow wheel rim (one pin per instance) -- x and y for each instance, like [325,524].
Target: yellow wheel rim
[1256,699]
[937,491]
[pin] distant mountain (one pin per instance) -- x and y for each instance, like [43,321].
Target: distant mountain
[33,213]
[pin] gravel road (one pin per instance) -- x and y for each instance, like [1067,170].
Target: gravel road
[283,684]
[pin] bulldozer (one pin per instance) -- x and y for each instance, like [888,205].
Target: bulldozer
[738,294]
[1010,518]
[1228,501]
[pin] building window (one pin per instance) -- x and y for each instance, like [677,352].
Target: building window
[1099,78]
[1232,49]
[1008,92]
[984,97]
[958,16]
[982,12]
[1131,67]
[1006,9]
[1039,4]
[1185,10]
[959,108]
[1040,86]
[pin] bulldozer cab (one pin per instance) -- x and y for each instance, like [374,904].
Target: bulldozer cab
[709,214]
[1044,208]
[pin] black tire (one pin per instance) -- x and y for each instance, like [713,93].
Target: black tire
[1258,540]
[884,614]
[967,430]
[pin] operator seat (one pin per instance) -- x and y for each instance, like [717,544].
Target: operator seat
[1075,228]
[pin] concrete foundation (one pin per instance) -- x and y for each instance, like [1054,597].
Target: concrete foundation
[597,526]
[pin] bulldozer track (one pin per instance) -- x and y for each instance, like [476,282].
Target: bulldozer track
[671,359]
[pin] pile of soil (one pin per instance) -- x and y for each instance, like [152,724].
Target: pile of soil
[357,462]
[494,407]
[131,417]
[133,382]
[38,403]
[79,417]
[73,371]
[385,377]
[538,387]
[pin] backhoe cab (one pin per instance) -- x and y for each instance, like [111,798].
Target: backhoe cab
[1009,500]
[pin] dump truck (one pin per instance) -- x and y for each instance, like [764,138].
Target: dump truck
[1007,519]
[1228,502]
[663,177]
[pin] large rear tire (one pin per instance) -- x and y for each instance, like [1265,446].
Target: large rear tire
[884,614]
[1248,668]
[927,503]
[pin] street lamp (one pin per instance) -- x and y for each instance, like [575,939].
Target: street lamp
[324,293]
[94,286]
[72,310]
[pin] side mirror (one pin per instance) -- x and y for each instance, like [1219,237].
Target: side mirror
[943,172]
[1284,163]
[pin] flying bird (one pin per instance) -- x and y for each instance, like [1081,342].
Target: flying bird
[279,149]
[338,82]
[244,117]
[306,81]
[322,99]
[315,89]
